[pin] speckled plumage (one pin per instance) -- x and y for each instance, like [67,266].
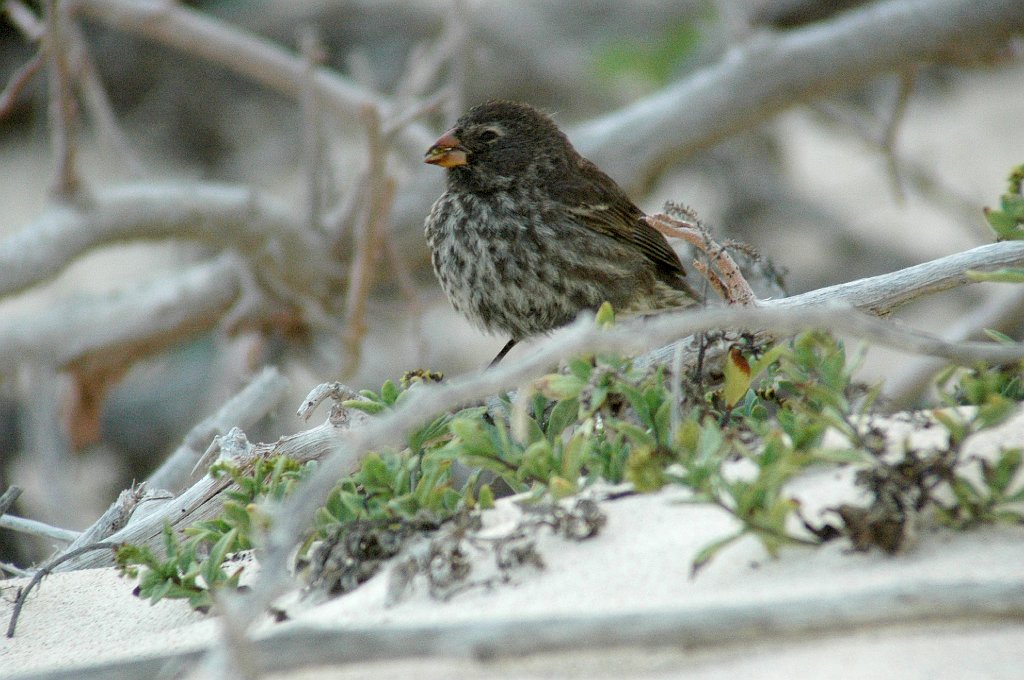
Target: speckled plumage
[528,233]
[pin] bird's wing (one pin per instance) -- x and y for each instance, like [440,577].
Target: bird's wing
[605,208]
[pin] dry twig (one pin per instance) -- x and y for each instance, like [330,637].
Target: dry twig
[18,81]
[63,109]
[728,280]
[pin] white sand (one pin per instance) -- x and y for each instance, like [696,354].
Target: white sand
[640,562]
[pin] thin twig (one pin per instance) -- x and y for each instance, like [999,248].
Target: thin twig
[888,141]
[62,107]
[677,390]
[97,103]
[36,528]
[263,393]
[312,147]
[18,81]
[8,498]
[729,281]
[42,573]
[14,570]
[367,238]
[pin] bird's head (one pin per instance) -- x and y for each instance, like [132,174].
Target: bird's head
[497,142]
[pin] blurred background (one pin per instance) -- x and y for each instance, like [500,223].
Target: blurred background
[872,177]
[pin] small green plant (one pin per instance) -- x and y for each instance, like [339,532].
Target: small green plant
[192,566]
[1008,221]
[983,491]
[735,443]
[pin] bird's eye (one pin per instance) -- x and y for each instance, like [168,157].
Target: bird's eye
[489,135]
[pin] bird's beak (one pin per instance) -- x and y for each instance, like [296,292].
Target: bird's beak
[447,152]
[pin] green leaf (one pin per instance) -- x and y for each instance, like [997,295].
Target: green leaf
[375,475]
[370,407]
[605,317]
[994,411]
[212,572]
[472,436]
[708,552]
[1001,338]
[644,470]
[485,497]
[956,427]
[562,416]
[435,430]
[538,460]
[1003,224]
[581,368]
[637,435]
[768,358]
[1013,205]
[999,476]
[389,392]
[559,386]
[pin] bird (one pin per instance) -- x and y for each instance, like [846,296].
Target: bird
[528,233]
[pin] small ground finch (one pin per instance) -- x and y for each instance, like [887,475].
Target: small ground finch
[528,233]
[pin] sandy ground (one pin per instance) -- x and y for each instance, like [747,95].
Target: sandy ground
[639,563]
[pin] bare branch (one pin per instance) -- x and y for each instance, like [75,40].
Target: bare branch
[249,55]
[258,398]
[25,19]
[380,189]
[261,229]
[31,526]
[8,498]
[726,277]
[886,293]
[773,72]
[113,330]
[113,519]
[203,500]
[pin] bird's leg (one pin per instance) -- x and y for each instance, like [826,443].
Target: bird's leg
[501,355]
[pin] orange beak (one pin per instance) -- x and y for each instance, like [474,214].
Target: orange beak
[447,152]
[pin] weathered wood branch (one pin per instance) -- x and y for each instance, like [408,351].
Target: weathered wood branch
[106,331]
[263,230]
[773,72]
[705,627]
